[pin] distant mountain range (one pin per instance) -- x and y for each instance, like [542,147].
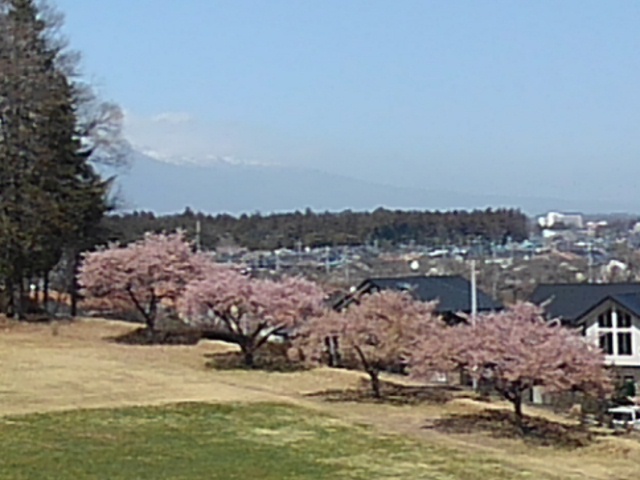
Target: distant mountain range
[165,187]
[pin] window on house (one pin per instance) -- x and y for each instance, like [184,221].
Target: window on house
[615,337]
[624,344]
[624,320]
[606,343]
[604,320]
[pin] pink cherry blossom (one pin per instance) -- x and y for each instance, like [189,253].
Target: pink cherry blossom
[253,310]
[373,334]
[142,275]
[516,349]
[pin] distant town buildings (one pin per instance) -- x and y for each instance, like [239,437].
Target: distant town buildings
[556,220]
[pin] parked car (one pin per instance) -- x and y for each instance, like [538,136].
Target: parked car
[626,417]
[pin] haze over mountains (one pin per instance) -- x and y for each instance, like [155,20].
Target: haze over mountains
[166,186]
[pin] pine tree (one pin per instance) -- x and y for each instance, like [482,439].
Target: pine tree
[51,198]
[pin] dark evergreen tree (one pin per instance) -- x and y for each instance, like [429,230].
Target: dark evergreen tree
[293,230]
[51,198]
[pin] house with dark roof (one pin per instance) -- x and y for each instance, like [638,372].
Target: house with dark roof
[453,294]
[607,313]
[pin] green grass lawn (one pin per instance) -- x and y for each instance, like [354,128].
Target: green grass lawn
[199,441]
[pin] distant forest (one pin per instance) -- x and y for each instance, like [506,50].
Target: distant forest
[310,229]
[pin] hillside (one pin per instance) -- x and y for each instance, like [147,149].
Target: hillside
[74,366]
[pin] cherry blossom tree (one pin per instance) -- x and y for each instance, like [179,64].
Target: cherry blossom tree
[373,334]
[143,275]
[516,349]
[253,310]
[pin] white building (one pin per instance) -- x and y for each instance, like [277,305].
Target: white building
[607,313]
[566,220]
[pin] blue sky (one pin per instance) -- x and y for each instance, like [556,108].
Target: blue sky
[511,98]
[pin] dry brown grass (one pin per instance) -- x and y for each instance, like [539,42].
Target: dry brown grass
[72,365]
[77,367]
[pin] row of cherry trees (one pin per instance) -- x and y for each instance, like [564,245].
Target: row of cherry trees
[516,349]
[162,274]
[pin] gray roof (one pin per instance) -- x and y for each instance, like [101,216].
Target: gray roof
[572,301]
[453,293]
[630,301]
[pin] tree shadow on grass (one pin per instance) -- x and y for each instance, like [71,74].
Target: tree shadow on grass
[146,336]
[270,358]
[501,424]
[392,394]
[170,333]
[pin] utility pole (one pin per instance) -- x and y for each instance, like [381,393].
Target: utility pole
[327,265]
[590,250]
[346,269]
[474,293]
[474,310]
[495,270]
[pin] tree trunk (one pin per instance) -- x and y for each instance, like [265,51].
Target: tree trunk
[517,405]
[248,352]
[36,291]
[74,286]
[19,301]
[151,324]
[74,302]
[148,314]
[45,292]
[375,383]
[9,298]
[371,370]
[153,313]
[150,317]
